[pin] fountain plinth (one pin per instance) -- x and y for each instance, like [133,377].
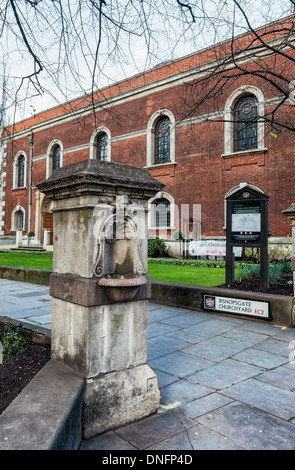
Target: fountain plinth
[100,288]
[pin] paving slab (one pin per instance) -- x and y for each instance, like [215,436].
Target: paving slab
[157,328]
[185,320]
[224,374]
[264,328]
[266,397]
[204,405]
[283,377]
[262,359]
[145,433]
[162,314]
[108,441]
[162,345]
[212,327]
[251,428]
[217,349]
[180,392]
[203,438]
[165,379]
[185,335]
[249,337]
[274,346]
[179,364]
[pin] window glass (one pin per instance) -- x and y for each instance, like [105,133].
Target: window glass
[102,147]
[245,134]
[21,171]
[162,213]
[56,158]
[162,140]
[19,219]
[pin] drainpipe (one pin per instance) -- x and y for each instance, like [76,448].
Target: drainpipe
[31,140]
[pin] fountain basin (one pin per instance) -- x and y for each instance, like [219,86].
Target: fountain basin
[122,288]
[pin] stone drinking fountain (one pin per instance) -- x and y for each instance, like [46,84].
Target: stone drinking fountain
[100,288]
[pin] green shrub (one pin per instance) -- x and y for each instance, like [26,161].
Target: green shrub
[12,341]
[156,247]
[252,271]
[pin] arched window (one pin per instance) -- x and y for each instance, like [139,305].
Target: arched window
[19,219]
[245,123]
[162,213]
[21,171]
[56,157]
[100,144]
[162,140]
[102,147]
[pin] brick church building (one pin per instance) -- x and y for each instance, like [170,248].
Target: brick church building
[202,153]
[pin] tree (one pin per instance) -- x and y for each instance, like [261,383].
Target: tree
[62,49]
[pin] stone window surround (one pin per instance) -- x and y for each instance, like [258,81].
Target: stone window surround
[13,218]
[151,138]
[93,142]
[229,124]
[49,152]
[15,170]
[151,211]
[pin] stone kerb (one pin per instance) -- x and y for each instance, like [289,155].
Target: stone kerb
[100,288]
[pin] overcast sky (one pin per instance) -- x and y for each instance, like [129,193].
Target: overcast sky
[148,36]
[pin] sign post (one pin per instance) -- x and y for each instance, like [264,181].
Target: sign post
[247,226]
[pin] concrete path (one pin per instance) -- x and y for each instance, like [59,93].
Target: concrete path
[226,383]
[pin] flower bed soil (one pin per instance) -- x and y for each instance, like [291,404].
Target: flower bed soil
[280,288]
[15,375]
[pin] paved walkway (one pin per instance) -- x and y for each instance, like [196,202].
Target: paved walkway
[226,383]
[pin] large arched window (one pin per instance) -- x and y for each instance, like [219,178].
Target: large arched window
[162,140]
[245,123]
[102,147]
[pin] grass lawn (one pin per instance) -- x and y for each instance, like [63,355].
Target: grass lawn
[26,260]
[192,275]
[159,272]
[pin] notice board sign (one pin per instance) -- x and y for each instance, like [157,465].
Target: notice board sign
[247,226]
[246,223]
[236,306]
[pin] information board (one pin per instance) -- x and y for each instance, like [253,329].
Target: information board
[246,223]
